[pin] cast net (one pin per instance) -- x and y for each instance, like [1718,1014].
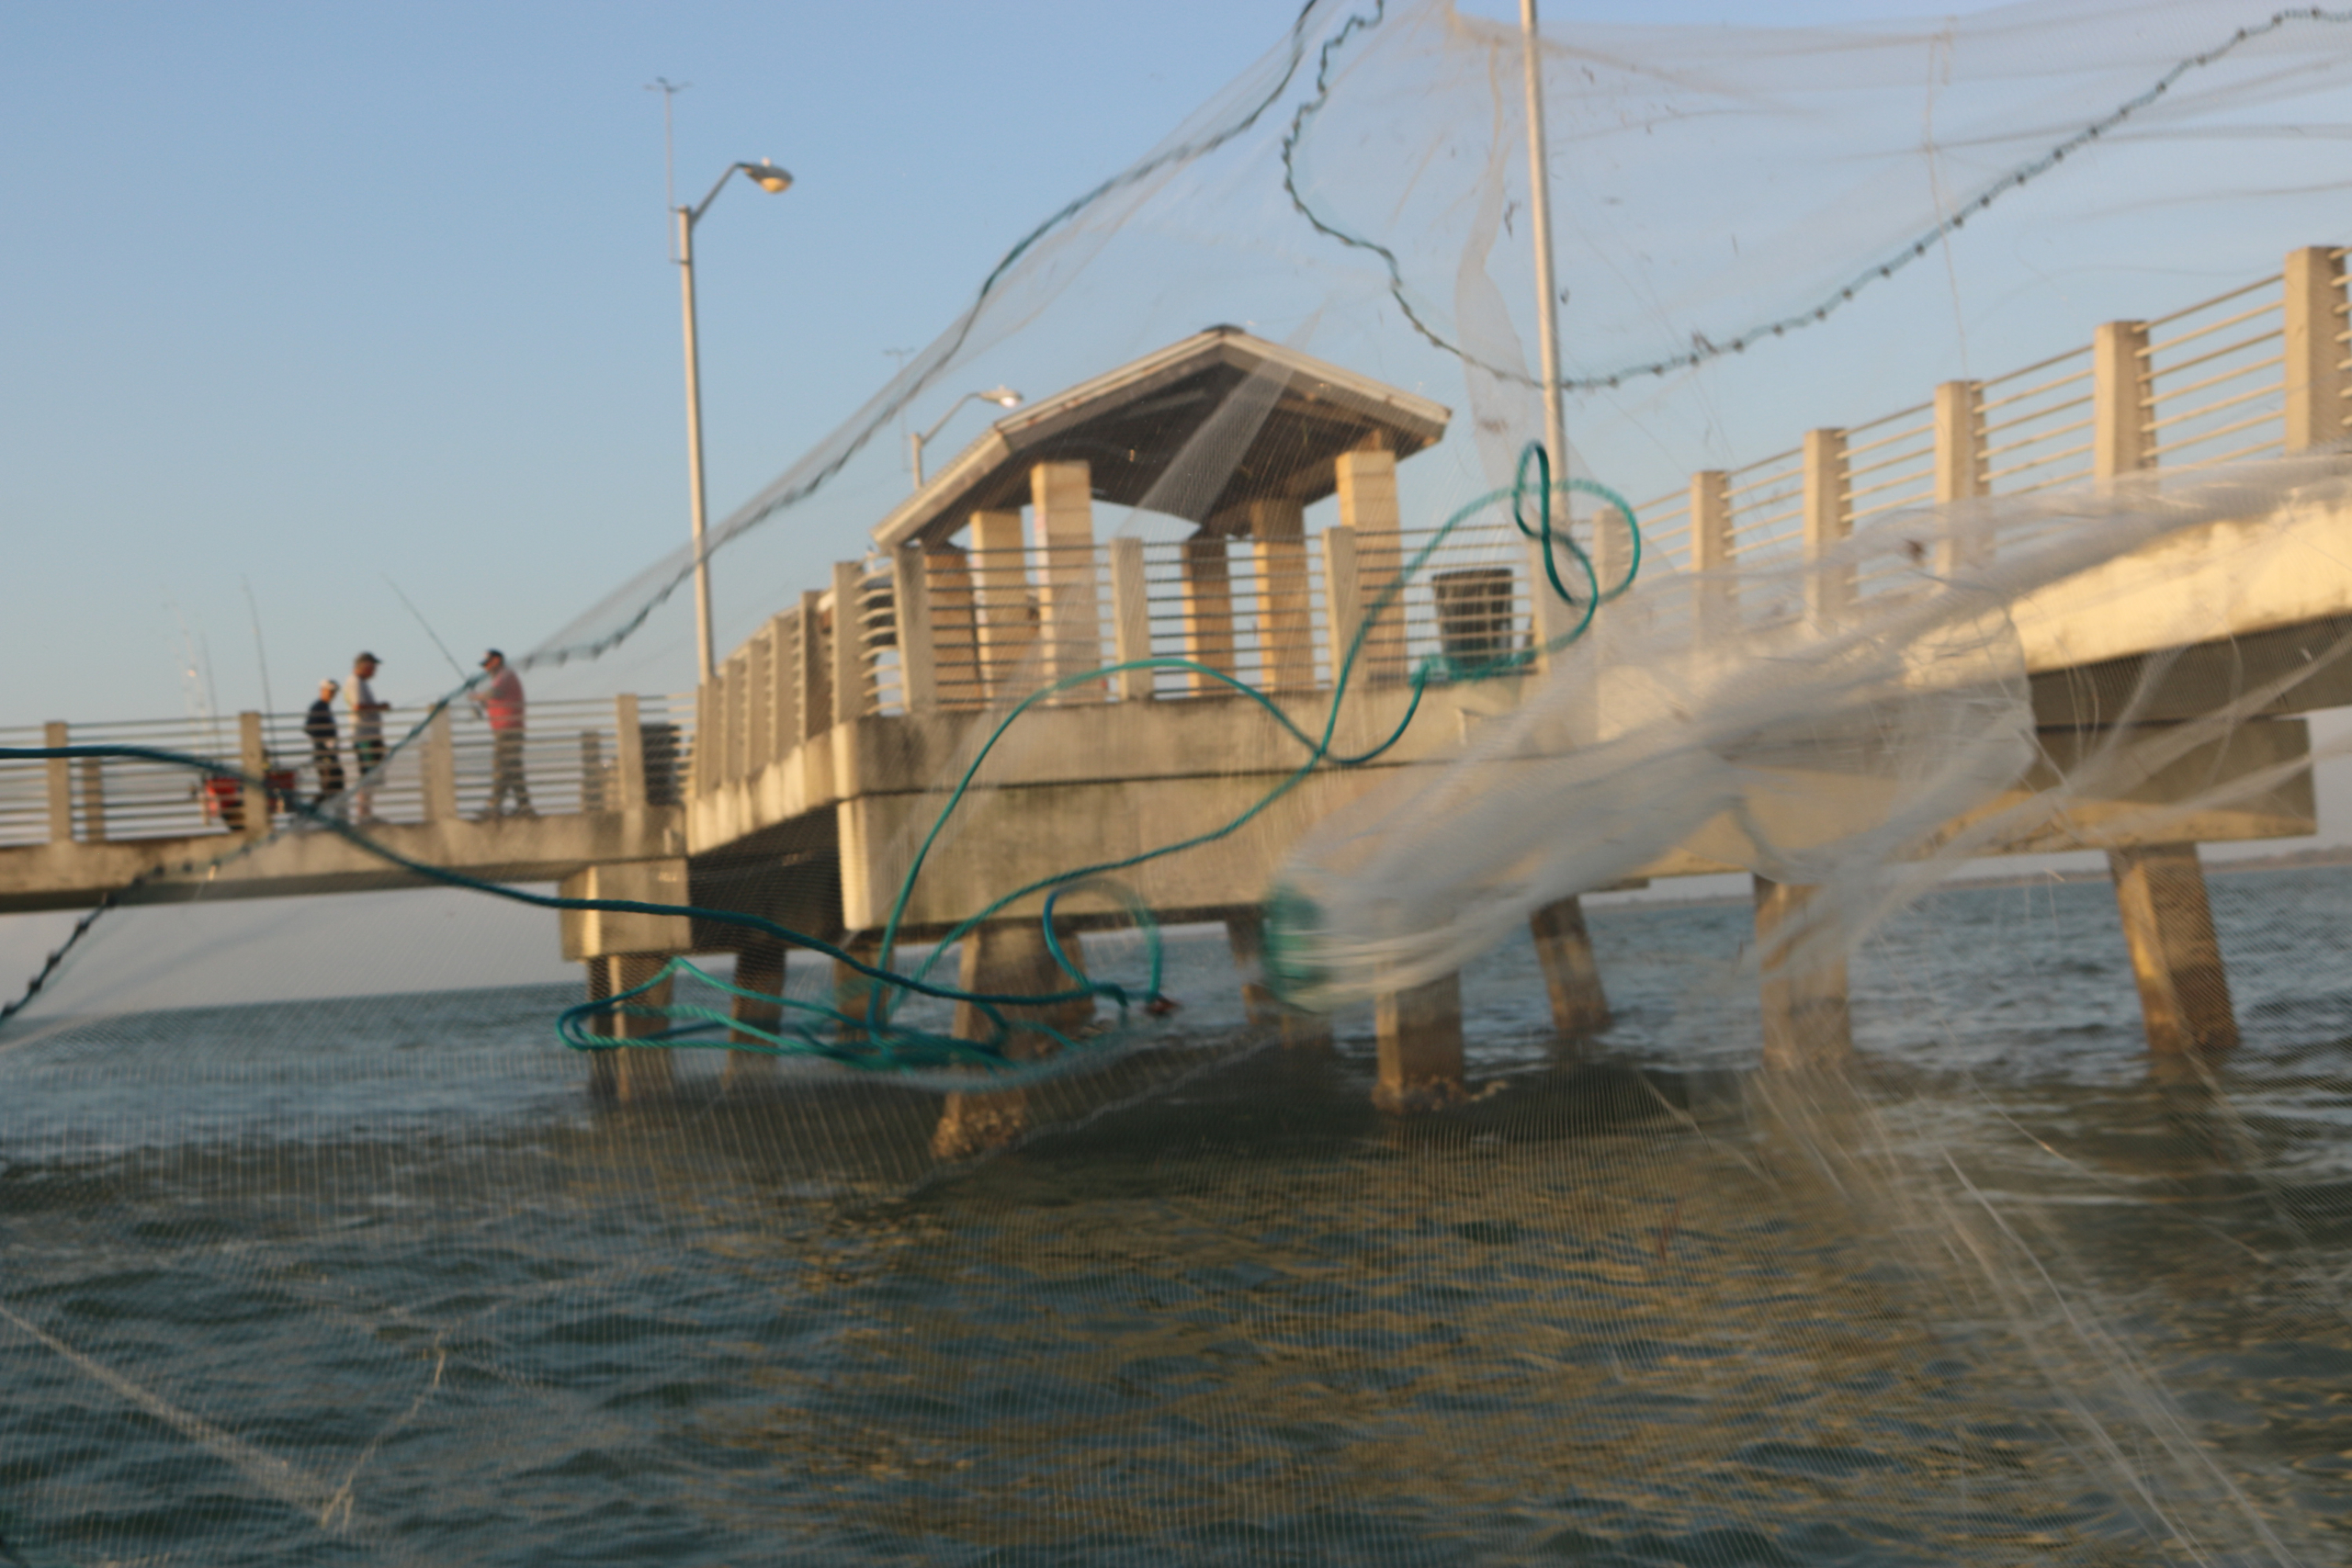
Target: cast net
[1267,969]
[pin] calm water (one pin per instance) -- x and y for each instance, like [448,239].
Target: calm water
[370,1281]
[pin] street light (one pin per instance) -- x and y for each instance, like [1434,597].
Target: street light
[1002,397]
[770,178]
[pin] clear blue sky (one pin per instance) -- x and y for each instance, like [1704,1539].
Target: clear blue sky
[304,295]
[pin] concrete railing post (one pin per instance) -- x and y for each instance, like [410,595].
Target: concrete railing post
[759,701]
[783,685]
[1286,600]
[910,605]
[698,779]
[1062,495]
[252,760]
[815,695]
[1829,522]
[2316,381]
[1131,618]
[848,663]
[1959,465]
[61,785]
[628,755]
[94,801]
[1718,604]
[2121,401]
[1367,488]
[1342,596]
[440,770]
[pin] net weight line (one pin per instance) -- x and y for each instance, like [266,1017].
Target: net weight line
[870,1040]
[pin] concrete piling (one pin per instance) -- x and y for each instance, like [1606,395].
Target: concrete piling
[1006,958]
[758,967]
[1419,1037]
[2176,957]
[630,1073]
[1808,1022]
[1571,978]
[1245,933]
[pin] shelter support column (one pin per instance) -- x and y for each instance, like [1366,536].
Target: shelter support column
[1571,978]
[954,627]
[758,966]
[1801,978]
[1131,619]
[911,607]
[624,949]
[1245,933]
[1278,530]
[1829,522]
[1007,958]
[1062,495]
[1008,618]
[2120,397]
[2176,957]
[1419,1037]
[1208,611]
[1368,508]
[60,784]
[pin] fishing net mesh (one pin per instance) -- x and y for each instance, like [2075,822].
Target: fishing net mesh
[1327,985]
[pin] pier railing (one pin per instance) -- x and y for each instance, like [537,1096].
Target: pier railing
[438,767]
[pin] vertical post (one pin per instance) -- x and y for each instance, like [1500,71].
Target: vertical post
[784,693]
[638,1072]
[1419,1045]
[816,701]
[252,760]
[440,771]
[706,655]
[1131,618]
[1285,599]
[1006,958]
[1342,596]
[1710,554]
[705,706]
[740,705]
[1062,495]
[1208,610]
[592,772]
[1801,978]
[1960,465]
[910,606]
[955,627]
[853,990]
[2120,399]
[2316,382]
[1539,211]
[61,785]
[2176,957]
[1829,522]
[758,966]
[629,754]
[1008,619]
[94,801]
[848,675]
[1367,485]
[1571,978]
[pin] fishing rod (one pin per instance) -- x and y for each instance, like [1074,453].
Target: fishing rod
[421,621]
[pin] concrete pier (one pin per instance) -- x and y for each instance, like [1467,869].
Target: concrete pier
[1571,978]
[2176,958]
[1808,1019]
[1007,958]
[758,966]
[1245,934]
[630,1073]
[1419,1036]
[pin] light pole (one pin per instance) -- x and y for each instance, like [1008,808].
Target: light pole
[768,177]
[1547,297]
[1003,397]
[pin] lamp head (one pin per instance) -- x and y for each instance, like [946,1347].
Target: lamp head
[767,176]
[1004,398]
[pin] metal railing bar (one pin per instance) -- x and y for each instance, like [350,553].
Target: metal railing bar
[2041,462]
[2274,280]
[2038,438]
[2267,390]
[2204,435]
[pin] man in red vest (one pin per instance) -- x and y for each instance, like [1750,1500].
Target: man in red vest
[501,702]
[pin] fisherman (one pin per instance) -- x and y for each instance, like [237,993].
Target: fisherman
[319,725]
[501,702]
[367,735]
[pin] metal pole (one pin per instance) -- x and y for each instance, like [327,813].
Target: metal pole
[914,456]
[703,647]
[1547,295]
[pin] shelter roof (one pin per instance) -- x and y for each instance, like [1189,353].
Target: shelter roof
[1196,430]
